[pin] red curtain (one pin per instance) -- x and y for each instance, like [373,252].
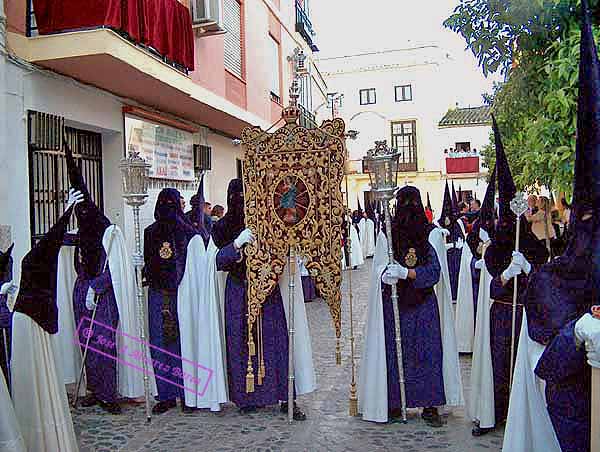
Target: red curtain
[462,165]
[164,25]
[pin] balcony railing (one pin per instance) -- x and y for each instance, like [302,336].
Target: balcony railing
[161,27]
[462,165]
[304,26]
[307,119]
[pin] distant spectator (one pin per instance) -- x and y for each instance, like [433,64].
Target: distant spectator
[217,212]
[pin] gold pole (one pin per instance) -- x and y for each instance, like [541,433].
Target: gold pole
[353,402]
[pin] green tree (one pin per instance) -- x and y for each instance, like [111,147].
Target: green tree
[535,44]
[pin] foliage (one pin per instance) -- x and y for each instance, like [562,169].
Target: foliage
[536,106]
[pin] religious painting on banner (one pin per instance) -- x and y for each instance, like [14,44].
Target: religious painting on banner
[294,204]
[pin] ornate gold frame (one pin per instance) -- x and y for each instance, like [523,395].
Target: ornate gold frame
[317,156]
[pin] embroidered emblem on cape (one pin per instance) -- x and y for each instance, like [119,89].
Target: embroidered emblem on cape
[165,251]
[447,221]
[480,248]
[411,258]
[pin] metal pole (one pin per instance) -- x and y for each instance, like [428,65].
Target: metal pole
[353,402]
[388,231]
[291,379]
[140,308]
[5,337]
[514,311]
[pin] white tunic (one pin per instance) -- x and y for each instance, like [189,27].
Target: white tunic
[201,332]
[356,255]
[367,237]
[11,439]
[465,311]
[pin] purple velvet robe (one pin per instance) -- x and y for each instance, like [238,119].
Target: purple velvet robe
[309,289]
[421,342]
[5,326]
[275,339]
[100,370]
[568,389]
[500,338]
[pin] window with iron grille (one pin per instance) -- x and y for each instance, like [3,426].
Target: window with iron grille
[463,147]
[232,22]
[48,177]
[404,139]
[367,96]
[403,93]
[275,71]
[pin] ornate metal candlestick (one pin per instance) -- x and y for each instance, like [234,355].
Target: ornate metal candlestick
[518,206]
[381,163]
[134,172]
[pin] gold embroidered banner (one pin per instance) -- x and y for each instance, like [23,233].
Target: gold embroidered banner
[293,198]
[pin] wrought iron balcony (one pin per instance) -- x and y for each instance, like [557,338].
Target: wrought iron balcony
[307,119]
[304,26]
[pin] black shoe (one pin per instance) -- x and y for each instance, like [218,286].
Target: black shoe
[432,417]
[396,413]
[164,406]
[111,407]
[248,410]
[298,413]
[89,401]
[480,431]
[188,409]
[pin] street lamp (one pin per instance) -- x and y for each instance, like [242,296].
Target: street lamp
[134,175]
[381,163]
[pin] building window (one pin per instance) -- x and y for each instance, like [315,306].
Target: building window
[232,22]
[275,70]
[403,93]
[367,96]
[404,139]
[463,147]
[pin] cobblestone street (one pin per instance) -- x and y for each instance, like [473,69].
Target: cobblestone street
[328,428]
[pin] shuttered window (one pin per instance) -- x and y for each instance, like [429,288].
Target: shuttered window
[232,22]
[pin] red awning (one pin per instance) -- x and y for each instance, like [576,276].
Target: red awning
[462,165]
[164,25]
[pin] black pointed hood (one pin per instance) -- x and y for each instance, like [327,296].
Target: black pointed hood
[39,268]
[196,216]
[447,214]
[360,211]
[228,228]
[454,200]
[506,185]
[429,202]
[485,219]
[91,221]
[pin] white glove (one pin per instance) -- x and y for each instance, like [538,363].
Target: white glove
[483,235]
[90,301]
[8,288]
[459,244]
[137,260]
[479,264]
[394,273]
[449,246]
[587,330]
[445,232]
[245,237]
[513,270]
[75,197]
[520,260]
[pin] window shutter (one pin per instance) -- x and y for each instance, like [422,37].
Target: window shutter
[232,22]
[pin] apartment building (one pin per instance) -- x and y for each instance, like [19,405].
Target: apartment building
[402,96]
[176,80]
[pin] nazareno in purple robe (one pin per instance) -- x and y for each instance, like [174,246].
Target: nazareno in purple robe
[165,252]
[418,307]
[6,264]
[309,289]
[274,336]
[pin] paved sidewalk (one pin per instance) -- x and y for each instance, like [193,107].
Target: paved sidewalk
[328,428]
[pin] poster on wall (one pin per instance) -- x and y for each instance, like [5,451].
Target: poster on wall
[170,151]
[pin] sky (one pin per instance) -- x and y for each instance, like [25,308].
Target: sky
[346,27]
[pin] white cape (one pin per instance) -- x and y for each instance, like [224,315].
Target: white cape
[367,237]
[356,255]
[130,381]
[453,387]
[39,394]
[304,371]
[200,328]
[481,402]
[11,439]
[528,426]
[68,352]
[372,372]
[465,319]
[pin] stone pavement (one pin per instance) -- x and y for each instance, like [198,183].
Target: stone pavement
[328,428]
